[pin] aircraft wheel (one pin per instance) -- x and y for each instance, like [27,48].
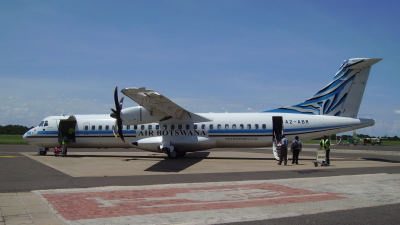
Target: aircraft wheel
[172,155]
[43,151]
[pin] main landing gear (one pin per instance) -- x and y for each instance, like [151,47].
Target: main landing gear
[172,154]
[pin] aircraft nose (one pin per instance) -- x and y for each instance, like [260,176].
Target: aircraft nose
[26,135]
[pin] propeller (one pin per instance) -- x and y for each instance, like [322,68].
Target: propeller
[116,114]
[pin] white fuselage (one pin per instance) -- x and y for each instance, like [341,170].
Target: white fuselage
[225,130]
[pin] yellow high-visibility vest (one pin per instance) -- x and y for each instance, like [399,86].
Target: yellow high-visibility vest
[324,144]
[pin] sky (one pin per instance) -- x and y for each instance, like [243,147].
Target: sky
[66,57]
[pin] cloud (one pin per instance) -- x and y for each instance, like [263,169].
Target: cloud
[32,100]
[397,111]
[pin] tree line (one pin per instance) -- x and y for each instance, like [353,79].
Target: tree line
[13,129]
[345,137]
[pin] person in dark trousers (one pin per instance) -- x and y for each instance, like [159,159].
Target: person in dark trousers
[326,144]
[296,149]
[283,150]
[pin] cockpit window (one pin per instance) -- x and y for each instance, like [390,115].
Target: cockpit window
[46,123]
[41,124]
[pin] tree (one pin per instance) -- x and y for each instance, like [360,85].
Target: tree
[13,129]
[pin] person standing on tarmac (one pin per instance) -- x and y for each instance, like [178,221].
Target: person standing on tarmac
[326,144]
[296,149]
[283,152]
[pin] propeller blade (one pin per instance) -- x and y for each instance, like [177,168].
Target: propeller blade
[114,132]
[117,106]
[121,135]
[113,114]
[116,113]
[121,101]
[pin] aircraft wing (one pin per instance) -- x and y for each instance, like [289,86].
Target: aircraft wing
[156,103]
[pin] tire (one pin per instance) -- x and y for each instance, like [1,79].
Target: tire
[42,152]
[172,155]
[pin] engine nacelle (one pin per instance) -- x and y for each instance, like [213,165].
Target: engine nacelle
[138,115]
[186,144]
[149,144]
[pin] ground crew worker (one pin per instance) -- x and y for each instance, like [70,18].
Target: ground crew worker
[283,150]
[296,149]
[64,146]
[71,132]
[326,144]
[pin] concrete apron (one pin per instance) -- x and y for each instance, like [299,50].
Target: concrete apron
[145,163]
[203,203]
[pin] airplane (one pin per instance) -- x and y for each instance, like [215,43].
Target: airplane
[160,125]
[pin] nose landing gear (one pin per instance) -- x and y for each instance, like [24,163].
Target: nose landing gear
[43,151]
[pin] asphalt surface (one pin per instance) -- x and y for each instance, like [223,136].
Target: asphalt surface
[21,174]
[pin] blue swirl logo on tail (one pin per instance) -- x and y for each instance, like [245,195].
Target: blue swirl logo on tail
[330,99]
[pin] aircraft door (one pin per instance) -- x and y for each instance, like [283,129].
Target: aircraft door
[277,133]
[66,130]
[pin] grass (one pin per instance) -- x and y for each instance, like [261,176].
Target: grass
[12,139]
[384,142]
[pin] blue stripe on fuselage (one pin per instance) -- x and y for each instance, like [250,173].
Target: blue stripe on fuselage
[214,131]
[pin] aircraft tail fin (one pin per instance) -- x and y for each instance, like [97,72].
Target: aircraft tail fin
[341,97]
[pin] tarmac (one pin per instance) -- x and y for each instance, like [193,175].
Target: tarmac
[219,186]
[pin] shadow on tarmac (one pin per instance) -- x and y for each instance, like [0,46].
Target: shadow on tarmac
[203,155]
[382,160]
[173,166]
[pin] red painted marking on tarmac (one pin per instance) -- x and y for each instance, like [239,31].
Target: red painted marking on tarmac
[93,205]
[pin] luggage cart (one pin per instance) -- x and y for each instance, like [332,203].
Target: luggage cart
[320,157]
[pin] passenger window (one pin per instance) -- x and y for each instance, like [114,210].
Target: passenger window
[86,127]
[226,126]
[100,127]
[195,126]
[241,126]
[107,127]
[93,127]
[203,126]
[46,123]
[234,126]
[264,126]
[128,127]
[164,127]
[211,126]
[187,126]
[256,126]
[41,124]
[249,126]
[157,127]
[135,127]
[142,127]
[150,127]
[219,126]
[180,126]
[172,127]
